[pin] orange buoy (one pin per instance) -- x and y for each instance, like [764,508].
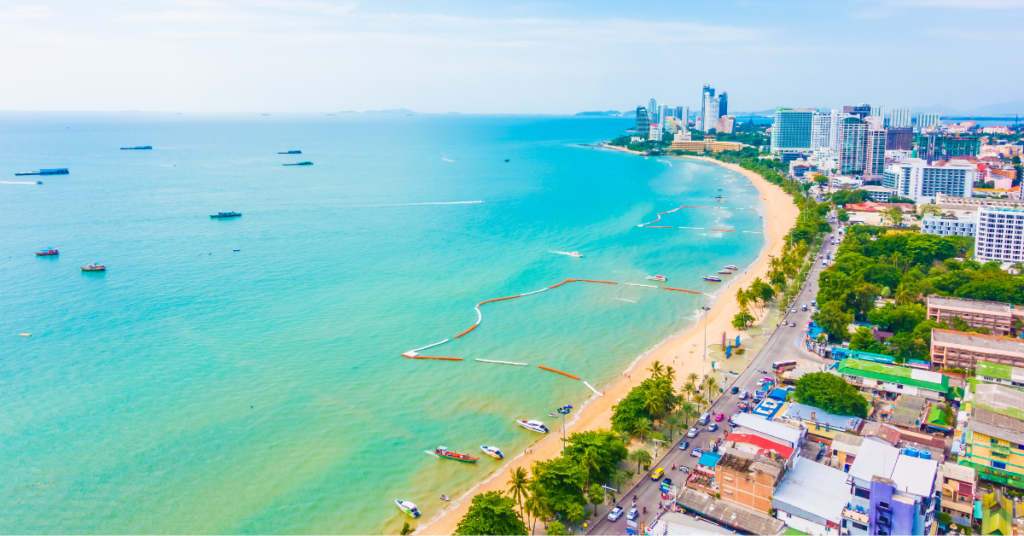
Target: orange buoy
[558,371]
[681,290]
[438,358]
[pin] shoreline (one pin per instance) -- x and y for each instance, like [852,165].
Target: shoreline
[677,350]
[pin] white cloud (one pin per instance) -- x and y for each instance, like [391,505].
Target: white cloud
[25,13]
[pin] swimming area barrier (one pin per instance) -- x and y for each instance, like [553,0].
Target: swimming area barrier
[596,392]
[437,358]
[558,371]
[502,362]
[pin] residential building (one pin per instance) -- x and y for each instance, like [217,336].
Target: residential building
[675,523]
[811,498]
[821,131]
[923,181]
[723,104]
[756,436]
[845,448]
[959,491]
[852,145]
[791,132]
[725,124]
[958,349]
[909,412]
[949,225]
[748,480]
[877,111]
[997,317]
[682,113]
[663,114]
[893,379]
[973,203]
[874,150]
[945,147]
[703,146]
[709,108]
[927,120]
[997,513]
[727,514]
[879,194]
[643,122]
[999,374]
[900,118]
[655,132]
[999,234]
[997,398]
[860,111]
[899,139]
[895,156]
[994,447]
[652,108]
[821,425]
[893,492]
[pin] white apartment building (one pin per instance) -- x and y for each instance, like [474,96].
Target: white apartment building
[927,120]
[874,151]
[950,225]
[851,145]
[821,131]
[999,235]
[655,132]
[916,179]
[900,118]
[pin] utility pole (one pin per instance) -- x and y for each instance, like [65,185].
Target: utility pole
[704,352]
[564,410]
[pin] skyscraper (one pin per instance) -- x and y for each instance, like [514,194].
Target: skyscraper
[663,113]
[707,96]
[877,111]
[723,104]
[791,132]
[874,156]
[711,112]
[927,120]
[900,118]
[652,109]
[860,110]
[821,131]
[643,123]
[682,113]
[852,145]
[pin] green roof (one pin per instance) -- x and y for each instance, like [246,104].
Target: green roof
[993,370]
[935,417]
[894,374]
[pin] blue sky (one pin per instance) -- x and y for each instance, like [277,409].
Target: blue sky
[504,57]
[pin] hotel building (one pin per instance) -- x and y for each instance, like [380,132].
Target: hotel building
[791,132]
[996,316]
[999,235]
[958,349]
[917,179]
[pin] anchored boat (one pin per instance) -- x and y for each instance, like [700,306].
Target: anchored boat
[534,426]
[731,267]
[713,279]
[94,268]
[725,272]
[289,152]
[57,171]
[299,164]
[47,252]
[138,148]
[226,215]
[657,278]
[443,452]
[408,507]
[493,452]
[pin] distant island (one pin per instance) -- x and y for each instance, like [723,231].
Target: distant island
[395,111]
[612,113]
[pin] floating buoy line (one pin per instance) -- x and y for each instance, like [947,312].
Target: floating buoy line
[660,214]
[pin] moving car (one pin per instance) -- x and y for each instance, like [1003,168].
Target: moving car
[744,394]
[804,307]
[692,433]
[735,389]
[696,452]
[665,485]
[633,514]
[719,417]
[615,514]
[742,405]
[684,445]
[658,473]
[792,324]
[760,382]
[713,427]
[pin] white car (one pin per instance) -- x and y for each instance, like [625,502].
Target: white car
[633,514]
[615,514]
[693,433]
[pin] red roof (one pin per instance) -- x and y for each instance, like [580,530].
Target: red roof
[764,445]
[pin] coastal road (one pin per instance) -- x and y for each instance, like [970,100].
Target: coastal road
[785,343]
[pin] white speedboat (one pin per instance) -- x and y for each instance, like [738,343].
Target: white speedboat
[493,452]
[657,278]
[408,507]
[535,426]
[731,267]
[576,254]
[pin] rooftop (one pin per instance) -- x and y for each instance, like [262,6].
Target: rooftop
[896,374]
[907,473]
[814,488]
[875,459]
[882,432]
[849,443]
[676,524]
[957,472]
[977,340]
[786,433]
[761,464]
[763,445]
[934,300]
[728,513]
[822,417]
[709,459]
[993,424]
[915,475]
[1000,399]
[998,371]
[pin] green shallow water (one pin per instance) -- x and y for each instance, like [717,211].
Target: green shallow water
[194,389]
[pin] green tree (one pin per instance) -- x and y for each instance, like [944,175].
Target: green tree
[830,393]
[641,457]
[556,528]
[904,295]
[642,428]
[406,529]
[656,369]
[518,487]
[604,447]
[596,496]
[561,483]
[491,513]
[688,412]
[673,422]
[618,480]
[742,319]
[863,340]
[833,319]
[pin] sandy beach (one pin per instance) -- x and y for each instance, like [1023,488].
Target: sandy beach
[682,351]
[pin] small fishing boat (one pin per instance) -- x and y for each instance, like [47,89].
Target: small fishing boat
[445,498]
[576,254]
[443,452]
[47,252]
[725,272]
[289,152]
[719,196]
[493,452]
[408,507]
[713,279]
[226,215]
[138,148]
[731,267]
[94,268]
[299,164]
[534,426]
[657,278]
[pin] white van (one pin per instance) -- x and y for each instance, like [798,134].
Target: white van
[704,419]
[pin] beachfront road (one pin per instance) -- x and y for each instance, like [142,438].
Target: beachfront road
[785,343]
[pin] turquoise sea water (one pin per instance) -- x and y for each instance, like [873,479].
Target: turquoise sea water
[194,389]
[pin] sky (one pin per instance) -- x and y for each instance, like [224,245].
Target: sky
[504,57]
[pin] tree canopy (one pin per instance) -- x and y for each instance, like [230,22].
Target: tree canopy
[831,393]
[603,446]
[491,513]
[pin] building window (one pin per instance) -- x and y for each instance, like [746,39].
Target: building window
[862,493]
[859,526]
[998,465]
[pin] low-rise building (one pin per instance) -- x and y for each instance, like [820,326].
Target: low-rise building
[998,398]
[811,498]
[707,145]
[994,447]
[997,317]
[958,349]
[749,481]
[949,225]
[999,374]
[678,524]
[821,425]
[959,491]
[845,448]
[893,492]
[922,180]
[727,514]
[756,436]
[879,194]
[973,203]
[892,379]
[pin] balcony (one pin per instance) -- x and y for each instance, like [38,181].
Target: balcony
[859,517]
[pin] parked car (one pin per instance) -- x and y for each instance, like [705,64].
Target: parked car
[713,427]
[658,473]
[684,445]
[615,514]
[759,396]
[696,452]
[719,417]
[735,389]
[760,382]
[742,406]
[744,394]
[633,514]
[692,433]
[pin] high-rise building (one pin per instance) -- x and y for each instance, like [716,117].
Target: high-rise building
[821,130]
[874,162]
[712,107]
[655,132]
[999,234]
[900,118]
[923,181]
[899,138]
[664,112]
[877,111]
[652,110]
[860,110]
[643,123]
[943,147]
[791,132]
[927,120]
[705,94]
[852,143]
[723,104]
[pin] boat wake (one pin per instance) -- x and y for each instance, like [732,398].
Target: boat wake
[625,300]
[562,253]
[434,203]
[447,160]
[15,182]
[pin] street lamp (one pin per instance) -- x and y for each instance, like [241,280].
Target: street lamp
[705,352]
[564,410]
[656,441]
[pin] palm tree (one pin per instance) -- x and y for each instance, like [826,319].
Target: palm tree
[654,404]
[617,480]
[688,411]
[698,400]
[710,384]
[657,369]
[670,374]
[630,475]
[693,377]
[673,422]
[590,461]
[903,296]
[642,428]
[689,389]
[641,457]
[741,298]
[518,487]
